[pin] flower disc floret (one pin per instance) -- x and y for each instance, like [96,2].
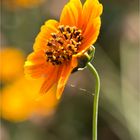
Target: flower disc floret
[63,44]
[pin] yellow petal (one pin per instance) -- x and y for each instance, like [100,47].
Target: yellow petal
[71,13]
[35,65]
[91,34]
[91,10]
[45,33]
[65,73]
[50,80]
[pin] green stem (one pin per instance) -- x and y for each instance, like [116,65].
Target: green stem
[96,101]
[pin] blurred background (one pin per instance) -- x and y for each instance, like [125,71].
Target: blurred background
[116,59]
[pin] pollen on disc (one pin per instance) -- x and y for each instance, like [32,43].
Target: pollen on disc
[63,44]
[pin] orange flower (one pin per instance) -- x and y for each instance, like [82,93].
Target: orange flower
[59,45]
[14,4]
[11,64]
[20,101]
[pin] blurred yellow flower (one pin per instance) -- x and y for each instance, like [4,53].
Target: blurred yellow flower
[14,4]
[11,64]
[20,100]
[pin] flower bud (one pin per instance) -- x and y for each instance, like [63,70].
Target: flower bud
[85,58]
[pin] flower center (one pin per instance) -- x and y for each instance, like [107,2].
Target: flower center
[63,44]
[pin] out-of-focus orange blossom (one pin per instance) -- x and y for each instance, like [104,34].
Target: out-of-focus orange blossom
[20,100]
[11,64]
[17,4]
